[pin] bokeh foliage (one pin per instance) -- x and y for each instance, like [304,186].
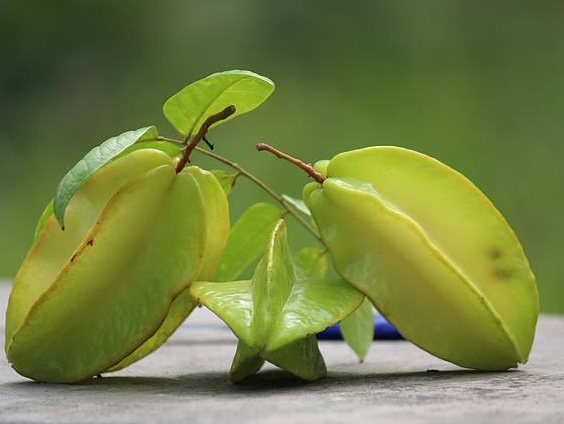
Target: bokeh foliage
[479,85]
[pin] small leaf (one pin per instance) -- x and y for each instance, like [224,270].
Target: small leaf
[358,329]
[297,204]
[247,240]
[190,107]
[311,262]
[94,160]
[226,179]
[45,215]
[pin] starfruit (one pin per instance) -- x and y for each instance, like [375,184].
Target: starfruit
[216,213]
[431,252]
[277,314]
[113,285]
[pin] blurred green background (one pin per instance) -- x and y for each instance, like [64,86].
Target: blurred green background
[478,85]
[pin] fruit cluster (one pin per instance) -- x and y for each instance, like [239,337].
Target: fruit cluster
[134,239]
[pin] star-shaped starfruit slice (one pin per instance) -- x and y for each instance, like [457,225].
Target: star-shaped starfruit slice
[276,315]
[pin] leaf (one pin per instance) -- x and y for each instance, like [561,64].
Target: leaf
[311,262]
[45,215]
[297,204]
[226,179]
[94,160]
[247,240]
[190,107]
[358,329]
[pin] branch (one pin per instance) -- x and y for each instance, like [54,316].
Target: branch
[299,163]
[279,199]
[210,120]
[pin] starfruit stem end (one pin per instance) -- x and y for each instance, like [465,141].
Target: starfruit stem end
[307,167]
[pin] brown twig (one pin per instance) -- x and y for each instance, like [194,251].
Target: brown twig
[299,163]
[279,199]
[288,209]
[210,120]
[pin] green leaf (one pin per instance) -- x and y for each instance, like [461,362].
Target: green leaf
[311,262]
[358,329]
[45,215]
[247,240]
[226,179]
[298,204]
[190,107]
[94,160]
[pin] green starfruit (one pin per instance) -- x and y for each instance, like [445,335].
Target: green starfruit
[216,216]
[276,315]
[111,286]
[431,252]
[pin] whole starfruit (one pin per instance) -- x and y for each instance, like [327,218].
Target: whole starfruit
[431,252]
[277,313]
[111,286]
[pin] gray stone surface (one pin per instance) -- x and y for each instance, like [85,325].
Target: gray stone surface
[186,382]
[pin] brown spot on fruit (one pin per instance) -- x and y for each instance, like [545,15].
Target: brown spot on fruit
[81,249]
[495,253]
[502,274]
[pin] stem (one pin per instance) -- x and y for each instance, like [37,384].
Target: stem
[288,209]
[210,120]
[279,199]
[299,163]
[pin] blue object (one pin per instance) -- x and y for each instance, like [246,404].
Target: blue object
[383,330]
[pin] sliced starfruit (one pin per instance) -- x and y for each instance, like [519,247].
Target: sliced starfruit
[87,297]
[431,252]
[276,315]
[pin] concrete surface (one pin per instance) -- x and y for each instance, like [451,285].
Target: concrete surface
[186,382]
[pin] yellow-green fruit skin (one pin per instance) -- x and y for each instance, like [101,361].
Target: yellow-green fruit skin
[216,214]
[88,296]
[216,211]
[431,252]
